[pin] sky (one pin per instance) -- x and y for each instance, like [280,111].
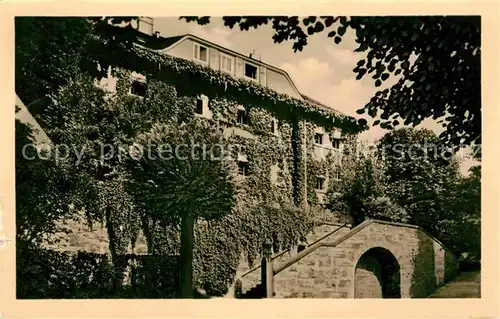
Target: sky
[322,70]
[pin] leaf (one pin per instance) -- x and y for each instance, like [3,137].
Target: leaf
[341,30]
[360,111]
[378,83]
[319,27]
[328,22]
[362,122]
[331,34]
[337,39]
[377,122]
[361,63]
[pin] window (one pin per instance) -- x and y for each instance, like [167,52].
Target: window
[242,117]
[320,181]
[243,168]
[138,88]
[199,106]
[336,175]
[318,138]
[336,143]
[200,53]
[251,71]
[226,63]
[273,126]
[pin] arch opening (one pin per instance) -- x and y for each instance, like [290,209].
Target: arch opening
[377,275]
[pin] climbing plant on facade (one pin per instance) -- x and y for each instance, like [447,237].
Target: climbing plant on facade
[101,126]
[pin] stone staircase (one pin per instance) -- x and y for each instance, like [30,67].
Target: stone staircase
[320,233]
[341,262]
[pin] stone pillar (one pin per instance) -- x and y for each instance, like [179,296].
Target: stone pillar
[267,274]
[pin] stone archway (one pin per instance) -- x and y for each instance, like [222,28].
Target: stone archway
[377,275]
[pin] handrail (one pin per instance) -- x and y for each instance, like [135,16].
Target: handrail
[319,244]
[284,252]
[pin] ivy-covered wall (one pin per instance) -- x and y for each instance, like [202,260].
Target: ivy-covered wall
[283,165]
[278,161]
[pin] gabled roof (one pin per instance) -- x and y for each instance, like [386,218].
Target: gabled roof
[167,43]
[178,39]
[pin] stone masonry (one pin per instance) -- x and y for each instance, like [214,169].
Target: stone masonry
[336,270]
[330,271]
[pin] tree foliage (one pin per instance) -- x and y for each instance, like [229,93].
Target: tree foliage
[462,231]
[425,180]
[185,172]
[190,179]
[422,172]
[435,60]
[48,60]
[42,189]
[361,191]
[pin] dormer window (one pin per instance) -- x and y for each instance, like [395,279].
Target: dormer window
[318,138]
[251,71]
[226,63]
[200,53]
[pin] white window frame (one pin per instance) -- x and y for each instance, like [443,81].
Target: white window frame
[338,140]
[204,109]
[231,58]
[256,73]
[323,184]
[196,51]
[242,158]
[241,108]
[275,122]
[336,174]
[322,138]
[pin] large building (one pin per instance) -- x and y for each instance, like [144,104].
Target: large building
[288,150]
[322,145]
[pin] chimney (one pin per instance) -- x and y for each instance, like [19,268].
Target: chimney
[145,25]
[255,55]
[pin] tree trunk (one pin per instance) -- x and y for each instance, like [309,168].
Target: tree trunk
[186,257]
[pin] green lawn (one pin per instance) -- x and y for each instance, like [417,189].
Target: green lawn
[465,285]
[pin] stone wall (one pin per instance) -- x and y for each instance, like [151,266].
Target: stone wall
[252,278]
[76,234]
[330,271]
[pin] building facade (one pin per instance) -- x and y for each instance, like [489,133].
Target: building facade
[280,158]
[321,146]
